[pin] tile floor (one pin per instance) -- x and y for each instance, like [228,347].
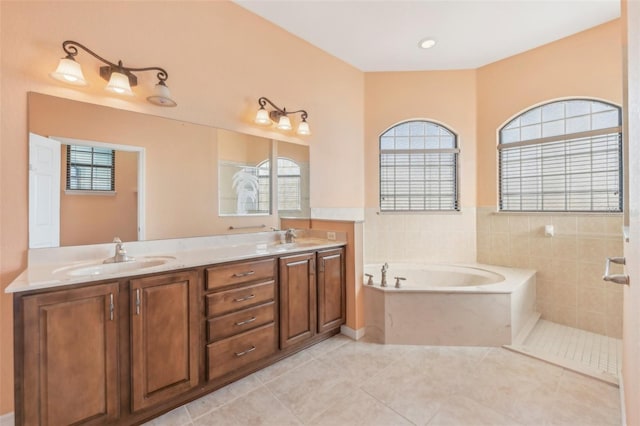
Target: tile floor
[343,382]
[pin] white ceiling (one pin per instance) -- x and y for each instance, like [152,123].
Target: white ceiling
[383,35]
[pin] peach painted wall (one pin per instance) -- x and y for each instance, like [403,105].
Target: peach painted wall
[448,98]
[220,59]
[95,218]
[587,64]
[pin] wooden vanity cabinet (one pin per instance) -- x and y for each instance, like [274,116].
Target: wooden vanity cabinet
[126,351]
[241,315]
[331,290]
[164,337]
[69,358]
[297,299]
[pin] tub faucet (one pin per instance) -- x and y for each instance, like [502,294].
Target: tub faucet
[290,236]
[383,280]
[120,254]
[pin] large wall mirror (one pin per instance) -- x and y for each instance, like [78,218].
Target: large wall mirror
[168,177]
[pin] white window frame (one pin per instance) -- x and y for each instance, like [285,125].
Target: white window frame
[565,171]
[422,187]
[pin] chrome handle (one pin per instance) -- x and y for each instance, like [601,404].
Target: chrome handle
[137,301]
[252,319]
[398,279]
[370,280]
[243,274]
[111,307]
[615,278]
[251,349]
[242,299]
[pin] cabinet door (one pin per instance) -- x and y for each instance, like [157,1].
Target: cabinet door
[297,299]
[70,357]
[331,290]
[164,337]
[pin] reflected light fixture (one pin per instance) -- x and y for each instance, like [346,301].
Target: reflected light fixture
[120,78]
[427,43]
[281,116]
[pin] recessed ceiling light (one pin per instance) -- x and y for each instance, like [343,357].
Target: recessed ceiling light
[427,43]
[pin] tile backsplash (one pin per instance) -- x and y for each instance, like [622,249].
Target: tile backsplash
[426,237]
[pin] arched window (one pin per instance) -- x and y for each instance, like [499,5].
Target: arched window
[288,183]
[562,156]
[418,167]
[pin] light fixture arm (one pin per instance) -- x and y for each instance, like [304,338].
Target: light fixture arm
[70,47]
[278,112]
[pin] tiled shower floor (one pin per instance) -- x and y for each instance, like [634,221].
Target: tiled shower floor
[582,351]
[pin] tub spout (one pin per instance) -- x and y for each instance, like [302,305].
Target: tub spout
[383,280]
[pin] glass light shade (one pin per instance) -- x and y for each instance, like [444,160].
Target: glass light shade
[284,123]
[119,83]
[262,117]
[70,72]
[303,129]
[161,96]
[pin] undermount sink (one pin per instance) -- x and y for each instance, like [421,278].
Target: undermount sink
[99,268]
[301,243]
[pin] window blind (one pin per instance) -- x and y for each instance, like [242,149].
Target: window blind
[418,168]
[579,175]
[565,156]
[90,168]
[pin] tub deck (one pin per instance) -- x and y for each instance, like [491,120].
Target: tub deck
[471,315]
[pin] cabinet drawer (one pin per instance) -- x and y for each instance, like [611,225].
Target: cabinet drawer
[237,322]
[235,352]
[237,273]
[239,298]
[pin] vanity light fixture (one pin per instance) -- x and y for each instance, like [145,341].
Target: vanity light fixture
[281,116]
[120,78]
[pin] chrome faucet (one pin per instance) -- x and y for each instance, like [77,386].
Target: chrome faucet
[383,280]
[120,253]
[290,236]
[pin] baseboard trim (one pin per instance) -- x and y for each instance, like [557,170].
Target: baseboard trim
[351,333]
[7,419]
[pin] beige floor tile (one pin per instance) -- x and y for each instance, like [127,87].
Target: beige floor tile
[408,391]
[281,367]
[504,382]
[177,417]
[223,396]
[340,382]
[359,361]
[460,411]
[310,389]
[219,417]
[328,345]
[259,408]
[359,409]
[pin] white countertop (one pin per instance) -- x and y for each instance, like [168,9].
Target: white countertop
[54,267]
